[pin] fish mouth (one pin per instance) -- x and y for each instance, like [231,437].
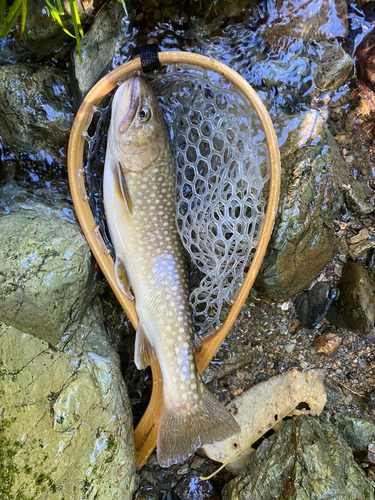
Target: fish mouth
[129,91]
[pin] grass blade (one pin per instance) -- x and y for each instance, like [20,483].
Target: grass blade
[11,18]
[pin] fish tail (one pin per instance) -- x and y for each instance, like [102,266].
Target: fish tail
[184,428]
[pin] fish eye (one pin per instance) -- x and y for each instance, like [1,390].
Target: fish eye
[145,114]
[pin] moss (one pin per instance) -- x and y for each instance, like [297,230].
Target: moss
[111,443]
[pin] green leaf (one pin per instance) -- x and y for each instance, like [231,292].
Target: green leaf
[52,8]
[78,31]
[124,6]
[25,8]
[11,18]
[2,11]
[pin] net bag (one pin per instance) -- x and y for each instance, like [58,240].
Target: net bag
[227,187]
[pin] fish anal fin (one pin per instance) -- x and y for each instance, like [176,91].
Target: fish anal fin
[184,429]
[122,279]
[122,187]
[143,352]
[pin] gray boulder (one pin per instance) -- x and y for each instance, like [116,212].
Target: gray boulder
[65,418]
[98,49]
[45,274]
[303,240]
[35,114]
[306,459]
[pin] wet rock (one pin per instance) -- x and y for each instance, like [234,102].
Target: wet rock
[45,273]
[361,236]
[44,35]
[327,343]
[98,49]
[314,20]
[35,114]
[66,422]
[361,249]
[355,307]
[147,493]
[333,66]
[281,73]
[357,197]
[312,306]
[193,488]
[365,59]
[307,458]
[358,432]
[303,240]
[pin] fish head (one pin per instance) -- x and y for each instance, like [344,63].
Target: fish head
[138,135]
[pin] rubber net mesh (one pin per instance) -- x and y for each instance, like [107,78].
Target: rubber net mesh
[222,167]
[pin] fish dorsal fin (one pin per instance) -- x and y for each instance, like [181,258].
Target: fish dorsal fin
[122,279]
[123,188]
[144,351]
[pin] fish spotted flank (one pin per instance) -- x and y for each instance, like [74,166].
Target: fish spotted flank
[139,205]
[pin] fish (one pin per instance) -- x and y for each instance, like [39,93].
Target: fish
[138,196]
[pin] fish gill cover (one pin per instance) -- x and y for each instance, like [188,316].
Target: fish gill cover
[222,170]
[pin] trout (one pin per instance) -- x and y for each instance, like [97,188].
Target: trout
[138,190]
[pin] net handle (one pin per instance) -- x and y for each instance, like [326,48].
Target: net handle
[146,432]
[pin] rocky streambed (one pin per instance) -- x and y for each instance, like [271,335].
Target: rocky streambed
[69,390]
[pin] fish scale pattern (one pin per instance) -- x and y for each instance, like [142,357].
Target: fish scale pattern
[221,169]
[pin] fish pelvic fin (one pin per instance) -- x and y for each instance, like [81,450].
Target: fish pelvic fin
[198,423]
[122,279]
[143,352]
[122,187]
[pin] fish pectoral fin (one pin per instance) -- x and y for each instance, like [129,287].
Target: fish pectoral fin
[122,187]
[122,279]
[144,352]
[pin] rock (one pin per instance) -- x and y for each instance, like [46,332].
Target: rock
[35,114]
[361,236]
[360,249]
[44,35]
[66,423]
[315,20]
[355,307]
[365,59]
[147,493]
[312,306]
[357,195]
[307,458]
[98,49]
[303,239]
[358,432]
[333,66]
[45,274]
[327,343]
[193,488]
[281,73]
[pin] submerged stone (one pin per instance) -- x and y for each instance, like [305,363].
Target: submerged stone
[303,239]
[66,425]
[313,305]
[194,488]
[306,459]
[333,66]
[45,273]
[35,114]
[358,196]
[355,307]
[313,21]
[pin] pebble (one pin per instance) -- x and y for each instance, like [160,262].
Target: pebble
[361,249]
[197,462]
[327,343]
[193,488]
[361,236]
[183,470]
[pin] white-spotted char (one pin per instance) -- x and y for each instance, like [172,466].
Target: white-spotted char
[140,211]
